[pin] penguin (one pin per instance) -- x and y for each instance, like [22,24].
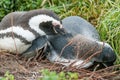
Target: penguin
[80,47]
[77,25]
[20,30]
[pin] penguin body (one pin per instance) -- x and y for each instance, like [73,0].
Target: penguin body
[67,49]
[79,43]
[19,29]
[72,50]
[77,25]
[76,47]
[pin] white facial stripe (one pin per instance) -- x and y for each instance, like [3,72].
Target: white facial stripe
[105,44]
[29,36]
[36,20]
[7,43]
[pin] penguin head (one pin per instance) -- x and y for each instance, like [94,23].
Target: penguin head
[45,22]
[107,57]
[52,27]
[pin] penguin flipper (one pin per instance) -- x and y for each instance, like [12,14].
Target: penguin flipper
[37,44]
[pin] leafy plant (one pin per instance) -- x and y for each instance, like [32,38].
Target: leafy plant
[52,75]
[103,14]
[7,76]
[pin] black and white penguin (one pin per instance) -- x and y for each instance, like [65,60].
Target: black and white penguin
[18,30]
[80,46]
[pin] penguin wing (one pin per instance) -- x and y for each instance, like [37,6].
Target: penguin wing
[38,43]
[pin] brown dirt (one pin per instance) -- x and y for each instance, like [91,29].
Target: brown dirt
[30,70]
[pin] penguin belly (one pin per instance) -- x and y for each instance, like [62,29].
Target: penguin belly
[13,45]
[15,38]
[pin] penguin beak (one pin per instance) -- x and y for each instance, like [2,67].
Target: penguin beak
[55,30]
[59,29]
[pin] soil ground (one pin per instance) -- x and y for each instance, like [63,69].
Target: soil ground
[30,69]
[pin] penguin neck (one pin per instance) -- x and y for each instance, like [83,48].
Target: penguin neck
[35,21]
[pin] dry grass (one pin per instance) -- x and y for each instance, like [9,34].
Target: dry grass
[23,70]
[98,12]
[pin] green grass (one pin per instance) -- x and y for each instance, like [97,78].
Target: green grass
[109,29]
[103,14]
[7,76]
[52,75]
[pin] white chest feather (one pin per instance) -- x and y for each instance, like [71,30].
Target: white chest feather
[13,45]
[8,43]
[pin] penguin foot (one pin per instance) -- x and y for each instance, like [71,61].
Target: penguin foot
[28,55]
[33,55]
